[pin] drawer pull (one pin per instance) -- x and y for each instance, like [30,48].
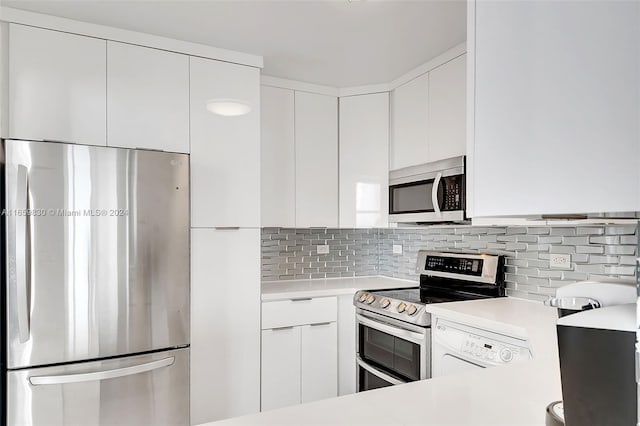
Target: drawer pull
[282,328]
[320,323]
[305,299]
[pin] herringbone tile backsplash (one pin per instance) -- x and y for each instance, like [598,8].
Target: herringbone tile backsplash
[596,251]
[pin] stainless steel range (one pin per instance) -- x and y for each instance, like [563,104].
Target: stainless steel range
[393,326]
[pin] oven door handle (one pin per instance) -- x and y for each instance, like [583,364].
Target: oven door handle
[400,333]
[379,374]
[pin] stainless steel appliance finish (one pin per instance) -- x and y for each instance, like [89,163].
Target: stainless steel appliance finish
[148,389]
[432,192]
[97,249]
[393,326]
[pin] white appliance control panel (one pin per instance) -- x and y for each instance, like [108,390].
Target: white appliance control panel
[491,350]
[457,347]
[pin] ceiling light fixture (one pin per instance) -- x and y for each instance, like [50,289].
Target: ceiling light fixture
[228,107]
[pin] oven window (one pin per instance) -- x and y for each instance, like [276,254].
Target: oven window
[389,353]
[369,381]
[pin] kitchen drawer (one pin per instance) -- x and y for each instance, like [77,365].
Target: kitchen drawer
[286,313]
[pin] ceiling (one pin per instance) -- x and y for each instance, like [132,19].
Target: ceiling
[336,43]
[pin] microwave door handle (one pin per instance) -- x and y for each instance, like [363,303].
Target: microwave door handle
[434,194]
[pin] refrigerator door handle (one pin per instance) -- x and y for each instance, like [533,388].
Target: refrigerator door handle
[21,254]
[101,375]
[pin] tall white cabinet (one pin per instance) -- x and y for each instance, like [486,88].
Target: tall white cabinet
[57,86]
[147,98]
[225,323]
[225,151]
[364,161]
[225,257]
[556,111]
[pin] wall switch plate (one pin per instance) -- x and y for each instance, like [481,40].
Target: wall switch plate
[560,261]
[397,249]
[323,249]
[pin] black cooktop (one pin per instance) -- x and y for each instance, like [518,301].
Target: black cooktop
[426,296]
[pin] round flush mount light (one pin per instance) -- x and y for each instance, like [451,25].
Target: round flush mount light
[228,107]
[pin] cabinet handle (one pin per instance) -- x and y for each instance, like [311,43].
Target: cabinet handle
[227,228]
[320,323]
[282,328]
[304,299]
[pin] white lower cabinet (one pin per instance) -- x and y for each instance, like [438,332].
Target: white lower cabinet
[319,354]
[225,323]
[281,363]
[299,357]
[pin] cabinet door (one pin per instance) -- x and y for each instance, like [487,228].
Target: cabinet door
[364,159]
[225,151]
[280,367]
[409,123]
[57,86]
[147,98]
[319,361]
[225,323]
[556,111]
[278,172]
[447,134]
[316,133]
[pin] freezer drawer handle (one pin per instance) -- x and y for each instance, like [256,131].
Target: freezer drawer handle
[101,375]
[22,255]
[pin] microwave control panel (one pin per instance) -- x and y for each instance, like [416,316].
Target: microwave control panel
[453,193]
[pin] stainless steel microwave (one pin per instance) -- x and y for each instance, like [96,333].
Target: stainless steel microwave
[432,192]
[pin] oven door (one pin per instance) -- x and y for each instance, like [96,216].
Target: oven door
[395,348]
[369,377]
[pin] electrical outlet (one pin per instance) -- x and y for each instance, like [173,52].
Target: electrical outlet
[397,249]
[323,249]
[560,261]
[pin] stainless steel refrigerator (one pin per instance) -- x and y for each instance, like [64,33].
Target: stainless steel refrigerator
[96,294]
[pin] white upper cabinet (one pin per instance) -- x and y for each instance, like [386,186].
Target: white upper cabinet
[447,130]
[57,86]
[225,150]
[316,136]
[147,98]
[278,158]
[409,119]
[556,110]
[364,159]
[428,116]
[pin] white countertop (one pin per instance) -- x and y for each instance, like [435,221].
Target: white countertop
[514,395]
[280,290]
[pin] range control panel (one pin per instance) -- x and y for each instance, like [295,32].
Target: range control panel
[458,265]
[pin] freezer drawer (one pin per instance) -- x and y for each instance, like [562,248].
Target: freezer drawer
[139,390]
[99,266]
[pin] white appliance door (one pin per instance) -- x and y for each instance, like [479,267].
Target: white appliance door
[150,389]
[448,364]
[97,252]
